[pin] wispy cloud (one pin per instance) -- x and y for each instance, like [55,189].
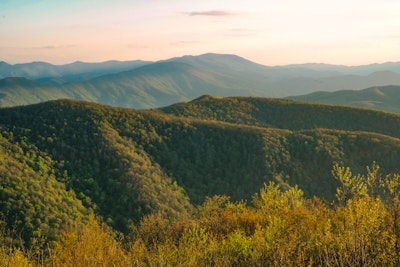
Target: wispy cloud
[52,47]
[212,13]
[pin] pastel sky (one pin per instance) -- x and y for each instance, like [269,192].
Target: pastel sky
[270,32]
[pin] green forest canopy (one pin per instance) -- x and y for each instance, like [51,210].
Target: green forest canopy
[124,165]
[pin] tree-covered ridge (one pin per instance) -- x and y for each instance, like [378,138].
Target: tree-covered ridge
[123,164]
[286,114]
[384,98]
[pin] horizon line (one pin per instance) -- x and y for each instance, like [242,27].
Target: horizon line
[197,55]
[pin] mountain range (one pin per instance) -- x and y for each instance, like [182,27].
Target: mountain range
[385,98]
[62,160]
[49,73]
[141,85]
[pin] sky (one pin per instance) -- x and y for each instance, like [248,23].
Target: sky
[269,32]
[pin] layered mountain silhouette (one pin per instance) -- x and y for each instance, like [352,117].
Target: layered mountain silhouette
[140,84]
[57,74]
[385,98]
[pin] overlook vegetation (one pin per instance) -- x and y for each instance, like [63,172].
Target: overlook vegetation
[277,228]
[85,183]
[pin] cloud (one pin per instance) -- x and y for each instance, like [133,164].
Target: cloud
[51,47]
[213,13]
[46,47]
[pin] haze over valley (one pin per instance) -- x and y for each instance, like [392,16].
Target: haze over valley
[139,84]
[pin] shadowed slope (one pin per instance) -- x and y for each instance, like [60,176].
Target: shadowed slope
[386,98]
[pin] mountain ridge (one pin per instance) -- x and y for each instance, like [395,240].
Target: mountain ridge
[385,98]
[214,74]
[123,164]
[42,70]
[359,69]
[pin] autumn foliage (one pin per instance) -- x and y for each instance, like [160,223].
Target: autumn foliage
[278,228]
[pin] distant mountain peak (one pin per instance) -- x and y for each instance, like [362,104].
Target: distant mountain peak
[203,98]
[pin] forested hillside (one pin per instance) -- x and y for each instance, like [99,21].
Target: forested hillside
[65,160]
[286,114]
[386,98]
